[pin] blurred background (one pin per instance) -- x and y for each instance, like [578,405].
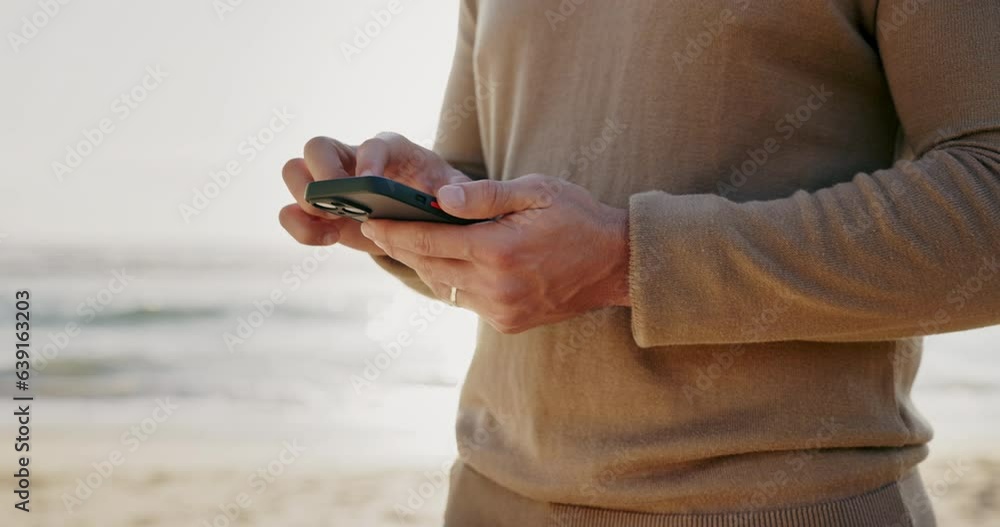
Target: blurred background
[195,366]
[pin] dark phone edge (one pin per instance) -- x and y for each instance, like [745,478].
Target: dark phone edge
[382,186]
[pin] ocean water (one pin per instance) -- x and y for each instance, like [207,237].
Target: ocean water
[347,357]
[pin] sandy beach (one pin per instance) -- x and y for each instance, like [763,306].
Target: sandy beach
[306,494]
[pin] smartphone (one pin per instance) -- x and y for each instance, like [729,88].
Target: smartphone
[363,197]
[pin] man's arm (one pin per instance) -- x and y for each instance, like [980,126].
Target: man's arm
[905,251]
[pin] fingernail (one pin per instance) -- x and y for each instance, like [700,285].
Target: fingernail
[366,230]
[452,196]
[367,172]
[330,238]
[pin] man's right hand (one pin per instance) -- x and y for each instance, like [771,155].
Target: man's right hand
[387,154]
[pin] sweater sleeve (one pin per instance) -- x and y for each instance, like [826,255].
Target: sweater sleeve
[909,250]
[458,140]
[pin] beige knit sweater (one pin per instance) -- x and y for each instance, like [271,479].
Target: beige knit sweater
[812,185]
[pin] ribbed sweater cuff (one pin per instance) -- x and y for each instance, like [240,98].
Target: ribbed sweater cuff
[676,278]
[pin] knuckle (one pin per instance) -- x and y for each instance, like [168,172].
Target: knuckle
[543,185]
[390,137]
[365,148]
[422,243]
[316,145]
[503,257]
[413,160]
[543,188]
[508,294]
[495,194]
[539,179]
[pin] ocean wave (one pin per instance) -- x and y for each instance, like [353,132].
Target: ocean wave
[142,315]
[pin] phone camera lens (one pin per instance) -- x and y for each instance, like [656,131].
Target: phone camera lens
[329,207]
[354,210]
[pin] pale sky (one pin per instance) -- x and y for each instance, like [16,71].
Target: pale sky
[223,81]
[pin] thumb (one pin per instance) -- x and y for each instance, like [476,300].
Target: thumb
[488,199]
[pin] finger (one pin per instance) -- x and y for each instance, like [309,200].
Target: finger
[306,229]
[488,198]
[445,270]
[421,237]
[373,156]
[297,178]
[350,236]
[328,158]
[392,155]
[464,298]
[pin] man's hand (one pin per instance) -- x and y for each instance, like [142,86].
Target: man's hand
[387,154]
[554,254]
